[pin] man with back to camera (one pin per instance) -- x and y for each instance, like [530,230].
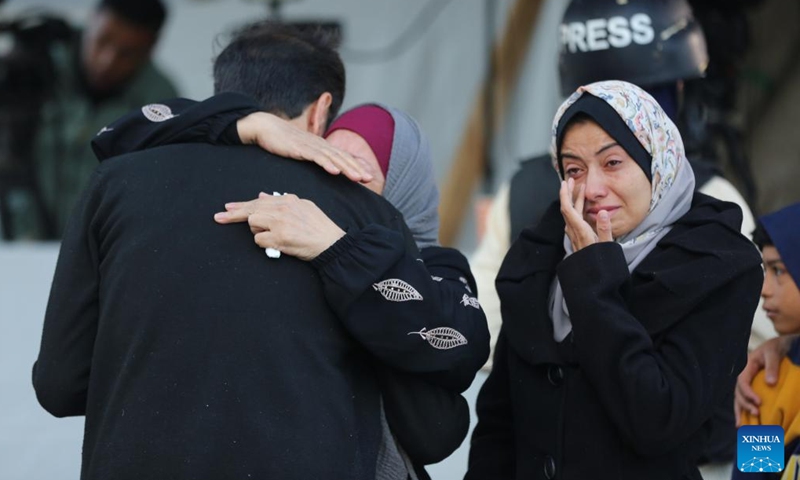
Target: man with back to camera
[100,73]
[639,43]
[190,356]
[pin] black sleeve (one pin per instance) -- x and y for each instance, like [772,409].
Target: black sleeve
[657,395]
[61,372]
[492,451]
[430,422]
[177,120]
[415,314]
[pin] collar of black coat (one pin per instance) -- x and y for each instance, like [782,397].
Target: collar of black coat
[702,253]
[181,121]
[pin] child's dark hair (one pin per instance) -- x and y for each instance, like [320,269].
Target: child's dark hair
[761,237]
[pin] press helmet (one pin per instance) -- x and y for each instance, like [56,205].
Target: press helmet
[643,42]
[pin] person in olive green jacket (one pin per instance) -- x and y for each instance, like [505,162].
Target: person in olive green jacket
[101,73]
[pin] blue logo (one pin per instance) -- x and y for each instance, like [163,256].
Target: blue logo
[760,448]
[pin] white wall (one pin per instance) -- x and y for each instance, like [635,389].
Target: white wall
[33,444]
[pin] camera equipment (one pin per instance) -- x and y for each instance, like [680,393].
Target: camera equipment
[26,81]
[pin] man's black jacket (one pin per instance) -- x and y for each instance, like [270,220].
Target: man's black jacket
[191,353]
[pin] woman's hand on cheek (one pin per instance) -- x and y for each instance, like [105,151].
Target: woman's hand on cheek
[580,233]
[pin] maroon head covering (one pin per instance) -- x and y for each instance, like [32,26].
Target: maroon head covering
[375,125]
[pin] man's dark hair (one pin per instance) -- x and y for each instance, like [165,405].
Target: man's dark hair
[761,237]
[149,14]
[283,68]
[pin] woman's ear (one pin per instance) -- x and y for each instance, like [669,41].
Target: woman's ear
[318,114]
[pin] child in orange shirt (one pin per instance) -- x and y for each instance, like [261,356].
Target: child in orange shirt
[778,237]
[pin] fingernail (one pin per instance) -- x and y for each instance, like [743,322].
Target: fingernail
[219,215]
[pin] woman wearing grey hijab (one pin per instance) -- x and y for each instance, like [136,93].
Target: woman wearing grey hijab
[414,309]
[383,292]
[626,310]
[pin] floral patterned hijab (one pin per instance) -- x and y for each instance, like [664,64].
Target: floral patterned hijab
[672,179]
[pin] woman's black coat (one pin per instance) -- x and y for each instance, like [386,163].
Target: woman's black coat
[628,394]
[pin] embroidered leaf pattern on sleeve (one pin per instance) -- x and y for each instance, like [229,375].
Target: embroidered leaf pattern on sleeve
[396,290]
[466,300]
[442,338]
[156,112]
